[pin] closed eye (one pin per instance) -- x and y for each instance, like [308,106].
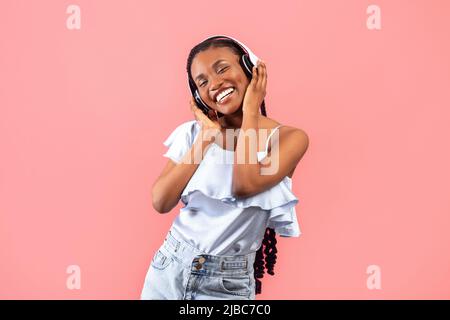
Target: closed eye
[220,71]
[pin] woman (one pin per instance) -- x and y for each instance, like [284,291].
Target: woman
[214,249]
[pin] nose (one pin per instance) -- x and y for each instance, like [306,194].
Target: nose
[216,83]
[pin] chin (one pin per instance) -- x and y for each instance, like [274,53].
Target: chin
[230,109]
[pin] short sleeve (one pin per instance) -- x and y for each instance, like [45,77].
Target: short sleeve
[283,216]
[181,140]
[284,221]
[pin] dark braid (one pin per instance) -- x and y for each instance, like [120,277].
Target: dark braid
[270,248]
[268,245]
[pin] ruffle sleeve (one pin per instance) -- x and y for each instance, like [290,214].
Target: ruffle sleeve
[181,140]
[278,201]
[214,180]
[283,218]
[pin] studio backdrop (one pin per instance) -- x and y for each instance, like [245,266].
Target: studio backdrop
[89,90]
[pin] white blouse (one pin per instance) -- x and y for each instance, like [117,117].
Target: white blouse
[214,221]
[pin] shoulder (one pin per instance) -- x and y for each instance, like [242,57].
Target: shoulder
[294,141]
[185,131]
[294,135]
[190,127]
[187,126]
[293,144]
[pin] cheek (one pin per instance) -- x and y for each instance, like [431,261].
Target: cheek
[243,86]
[207,100]
[242,82]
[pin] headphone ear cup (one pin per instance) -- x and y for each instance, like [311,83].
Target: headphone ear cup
[247,65]
[203,106]
[198,100]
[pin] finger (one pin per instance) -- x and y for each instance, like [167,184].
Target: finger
[192,102]
[254,75]
[195,110]
[202,117]
[193,106]
[264,80]
[260,74]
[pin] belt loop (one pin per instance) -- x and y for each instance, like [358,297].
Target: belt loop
[245,266]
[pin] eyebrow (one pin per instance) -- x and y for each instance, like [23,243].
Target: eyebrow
[213,66]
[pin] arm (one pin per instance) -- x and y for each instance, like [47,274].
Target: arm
[292,144]
[288,151]
[167,189]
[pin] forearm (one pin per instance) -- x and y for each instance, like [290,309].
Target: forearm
[166,191]
[246,149]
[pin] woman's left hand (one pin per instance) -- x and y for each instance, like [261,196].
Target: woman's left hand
[256,90]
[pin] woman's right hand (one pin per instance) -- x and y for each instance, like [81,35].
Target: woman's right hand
[210,126]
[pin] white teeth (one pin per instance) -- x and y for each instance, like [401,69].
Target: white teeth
[223,94]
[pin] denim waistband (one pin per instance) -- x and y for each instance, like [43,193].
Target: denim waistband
[202,263]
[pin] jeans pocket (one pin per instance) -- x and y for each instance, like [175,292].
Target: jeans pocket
[161,260]
[237,285]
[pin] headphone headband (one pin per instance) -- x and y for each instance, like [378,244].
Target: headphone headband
[253,58]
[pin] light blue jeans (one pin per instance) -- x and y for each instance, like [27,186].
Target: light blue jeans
[179,271]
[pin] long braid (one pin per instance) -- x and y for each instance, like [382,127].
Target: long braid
[268,249]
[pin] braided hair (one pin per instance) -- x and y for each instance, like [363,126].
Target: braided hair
[266,255]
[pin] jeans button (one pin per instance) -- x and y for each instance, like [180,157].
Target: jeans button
[201,260]
[198,266]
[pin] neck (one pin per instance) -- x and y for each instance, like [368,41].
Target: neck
[232,121]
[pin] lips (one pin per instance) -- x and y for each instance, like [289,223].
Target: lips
[217,93]
[225,99]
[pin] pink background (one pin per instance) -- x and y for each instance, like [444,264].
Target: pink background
[83,114]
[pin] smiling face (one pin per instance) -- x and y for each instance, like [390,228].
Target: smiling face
[216,72]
